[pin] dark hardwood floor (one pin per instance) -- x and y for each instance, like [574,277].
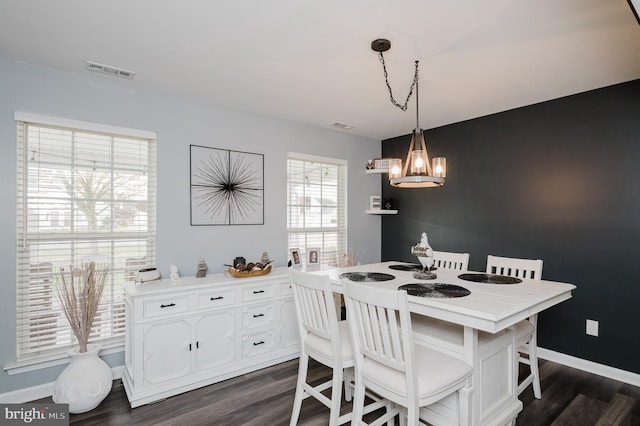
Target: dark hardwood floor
[570,397]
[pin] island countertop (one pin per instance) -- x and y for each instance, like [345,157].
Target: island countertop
[489,307]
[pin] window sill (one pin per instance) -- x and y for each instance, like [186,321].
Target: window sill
[51,361]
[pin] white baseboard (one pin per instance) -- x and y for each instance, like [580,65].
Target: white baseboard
[590,366]
[45,390]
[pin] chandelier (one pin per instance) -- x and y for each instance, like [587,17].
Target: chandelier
[418,171]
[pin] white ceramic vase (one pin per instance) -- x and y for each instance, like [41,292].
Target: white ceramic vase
[85,382]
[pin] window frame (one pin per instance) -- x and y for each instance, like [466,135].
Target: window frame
[341,228]
[47,355]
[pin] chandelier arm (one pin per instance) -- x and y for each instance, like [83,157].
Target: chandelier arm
[408,160]
[426,154]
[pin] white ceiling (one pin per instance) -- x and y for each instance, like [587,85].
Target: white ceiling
[311,61]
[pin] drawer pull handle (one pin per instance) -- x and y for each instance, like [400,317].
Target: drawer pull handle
[258,291]
[261,342]
[258,315]
[197,345]
[189,347]
[168,306]
[217,298]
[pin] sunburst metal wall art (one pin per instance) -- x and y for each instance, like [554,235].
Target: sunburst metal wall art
[227,187]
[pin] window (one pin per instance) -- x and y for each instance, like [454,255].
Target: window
[317,205]
[85,192]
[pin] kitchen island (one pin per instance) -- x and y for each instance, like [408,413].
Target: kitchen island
[477,327]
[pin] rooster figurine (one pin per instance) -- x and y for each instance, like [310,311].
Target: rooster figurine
[424,252]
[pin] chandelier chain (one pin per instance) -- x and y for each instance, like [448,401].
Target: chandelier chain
[386,79]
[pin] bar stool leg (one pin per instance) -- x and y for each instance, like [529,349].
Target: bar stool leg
[303,365]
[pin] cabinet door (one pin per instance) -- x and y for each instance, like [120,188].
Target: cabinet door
[215,339]
[289,331]
[166,351]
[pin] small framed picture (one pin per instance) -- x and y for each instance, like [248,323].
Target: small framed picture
[313,256]
[294,254]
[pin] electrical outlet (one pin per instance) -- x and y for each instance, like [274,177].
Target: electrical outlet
[592,328]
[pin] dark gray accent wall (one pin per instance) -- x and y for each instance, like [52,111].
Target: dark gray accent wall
[559,181]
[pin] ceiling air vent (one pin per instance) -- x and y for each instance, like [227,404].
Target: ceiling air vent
[106,69]
[341,126]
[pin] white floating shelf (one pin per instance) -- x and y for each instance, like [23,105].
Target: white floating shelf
[376,171]
[382,211]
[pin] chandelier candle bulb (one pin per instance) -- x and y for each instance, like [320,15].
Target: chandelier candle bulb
[418,163]
[440,167]
[395,168]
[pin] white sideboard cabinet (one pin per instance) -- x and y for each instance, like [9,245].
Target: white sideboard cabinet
[182,337]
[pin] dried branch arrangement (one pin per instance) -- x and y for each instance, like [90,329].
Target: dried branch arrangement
[80,291]
[341,260]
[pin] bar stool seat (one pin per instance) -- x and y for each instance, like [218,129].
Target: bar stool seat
[319,347]
[432,379]
[524,330]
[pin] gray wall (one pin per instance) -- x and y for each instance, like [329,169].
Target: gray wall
[558,181]
[178,123]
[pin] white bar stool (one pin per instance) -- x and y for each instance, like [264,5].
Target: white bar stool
[451,260]
[326,340]
[388,363]
[526,330]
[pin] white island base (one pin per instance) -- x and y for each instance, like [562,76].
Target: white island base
[494,372]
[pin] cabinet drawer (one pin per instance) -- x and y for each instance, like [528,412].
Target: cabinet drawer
[256,316]
[166,306]
[257,292]
[213,298]
[257,344]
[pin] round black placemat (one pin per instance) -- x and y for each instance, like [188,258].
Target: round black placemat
[435,290]
[489,278]
[367,276]
[411,267]
[406,267]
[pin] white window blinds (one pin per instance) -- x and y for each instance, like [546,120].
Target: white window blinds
[85,192]
[317,205]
